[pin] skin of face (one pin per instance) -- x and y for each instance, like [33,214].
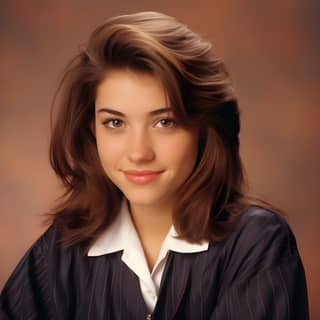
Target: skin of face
[139,140]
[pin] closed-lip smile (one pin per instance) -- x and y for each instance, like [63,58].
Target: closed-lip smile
[141,177]
[141,172]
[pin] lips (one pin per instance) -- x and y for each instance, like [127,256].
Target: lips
[140,172]
[141,177]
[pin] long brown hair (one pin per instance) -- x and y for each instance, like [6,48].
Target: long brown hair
[199,89]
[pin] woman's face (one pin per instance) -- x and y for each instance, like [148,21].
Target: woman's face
[142,150]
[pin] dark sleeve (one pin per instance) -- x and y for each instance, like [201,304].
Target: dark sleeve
[26,294]
[264,277]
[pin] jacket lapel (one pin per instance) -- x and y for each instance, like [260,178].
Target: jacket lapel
[173,286]
[132,304]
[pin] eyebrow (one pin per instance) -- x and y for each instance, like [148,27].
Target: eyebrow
[151,113]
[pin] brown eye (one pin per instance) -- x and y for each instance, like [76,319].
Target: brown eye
[113,123]
[167,123]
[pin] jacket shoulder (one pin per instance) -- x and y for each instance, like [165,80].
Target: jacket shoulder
[262,228]
[260,269]
[261,240]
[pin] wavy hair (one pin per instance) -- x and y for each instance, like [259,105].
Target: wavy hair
[199,90]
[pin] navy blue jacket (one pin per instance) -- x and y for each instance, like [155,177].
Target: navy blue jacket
[255,273]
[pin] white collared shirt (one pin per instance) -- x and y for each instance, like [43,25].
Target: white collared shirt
[122,235]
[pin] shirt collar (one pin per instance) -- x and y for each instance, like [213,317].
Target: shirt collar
[121,234]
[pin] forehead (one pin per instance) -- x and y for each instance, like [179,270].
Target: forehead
[130,92]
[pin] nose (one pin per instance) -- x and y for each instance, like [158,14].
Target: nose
[140,147]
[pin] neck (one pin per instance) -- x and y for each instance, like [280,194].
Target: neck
[152,225]
[151,222]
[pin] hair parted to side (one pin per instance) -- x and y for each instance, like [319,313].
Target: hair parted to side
[200,91]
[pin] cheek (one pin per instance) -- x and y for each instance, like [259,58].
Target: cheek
[190,151]
[182,151]
[109,151]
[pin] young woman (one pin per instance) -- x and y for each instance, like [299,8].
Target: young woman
[155,222]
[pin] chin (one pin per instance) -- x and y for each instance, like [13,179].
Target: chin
[144,198]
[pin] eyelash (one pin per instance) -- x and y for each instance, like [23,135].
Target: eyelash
[107,121]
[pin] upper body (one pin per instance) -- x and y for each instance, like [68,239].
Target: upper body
[255,273]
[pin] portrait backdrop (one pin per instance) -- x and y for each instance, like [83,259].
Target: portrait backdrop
[272,51]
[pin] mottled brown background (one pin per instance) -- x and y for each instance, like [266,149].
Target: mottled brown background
[272,51]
